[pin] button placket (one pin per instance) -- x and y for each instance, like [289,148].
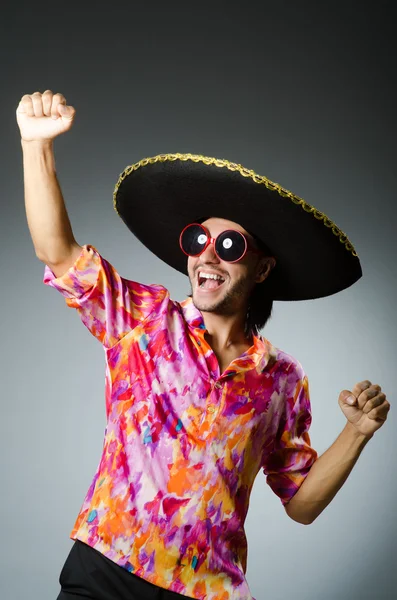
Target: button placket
[211,408]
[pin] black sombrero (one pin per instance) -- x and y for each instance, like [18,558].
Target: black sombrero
[157,197]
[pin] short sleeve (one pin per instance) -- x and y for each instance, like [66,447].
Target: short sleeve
[287,466]
[109,305]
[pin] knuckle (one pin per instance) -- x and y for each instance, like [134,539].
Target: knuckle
[371,392]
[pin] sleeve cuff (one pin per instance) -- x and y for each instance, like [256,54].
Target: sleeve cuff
[79,279]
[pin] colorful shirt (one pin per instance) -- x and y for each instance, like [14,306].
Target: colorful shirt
[183,442]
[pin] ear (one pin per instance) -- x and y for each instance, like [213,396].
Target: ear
[264,268]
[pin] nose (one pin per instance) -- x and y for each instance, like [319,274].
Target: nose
[209,254]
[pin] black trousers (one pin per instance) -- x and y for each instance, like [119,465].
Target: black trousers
[89,574]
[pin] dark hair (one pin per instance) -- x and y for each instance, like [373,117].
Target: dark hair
[260,304]
[259,310]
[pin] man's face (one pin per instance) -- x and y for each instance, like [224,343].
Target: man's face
[230,295]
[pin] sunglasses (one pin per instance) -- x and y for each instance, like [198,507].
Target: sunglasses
[230,245]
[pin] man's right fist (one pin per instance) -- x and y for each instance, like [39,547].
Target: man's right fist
[44,116]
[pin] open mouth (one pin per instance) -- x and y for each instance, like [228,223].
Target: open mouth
[209,281]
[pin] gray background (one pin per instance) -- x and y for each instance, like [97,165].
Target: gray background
[303,93]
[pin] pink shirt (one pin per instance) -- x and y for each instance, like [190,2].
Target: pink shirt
[183,442]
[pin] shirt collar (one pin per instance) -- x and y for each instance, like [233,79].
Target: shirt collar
[261,355]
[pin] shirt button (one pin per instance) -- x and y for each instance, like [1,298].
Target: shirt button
[211,409]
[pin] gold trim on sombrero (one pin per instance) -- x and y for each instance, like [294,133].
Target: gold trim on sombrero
[220,162]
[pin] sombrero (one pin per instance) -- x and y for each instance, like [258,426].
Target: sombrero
[158,196]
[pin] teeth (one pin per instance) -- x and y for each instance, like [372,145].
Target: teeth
[210,276]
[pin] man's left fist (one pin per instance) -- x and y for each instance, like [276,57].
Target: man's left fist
[369,409]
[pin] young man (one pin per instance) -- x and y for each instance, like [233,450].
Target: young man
[197,401]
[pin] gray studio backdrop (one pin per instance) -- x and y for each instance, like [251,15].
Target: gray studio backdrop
[301,93]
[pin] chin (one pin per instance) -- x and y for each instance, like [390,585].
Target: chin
[204,303]
[214,305]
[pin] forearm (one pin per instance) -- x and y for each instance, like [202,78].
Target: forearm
[327,475]
[46,213]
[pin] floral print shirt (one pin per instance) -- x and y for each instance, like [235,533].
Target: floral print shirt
[183,442]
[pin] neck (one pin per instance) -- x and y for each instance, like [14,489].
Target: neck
[225,332]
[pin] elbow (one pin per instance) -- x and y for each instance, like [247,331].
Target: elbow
[307,522]
[297,514]
[302,521]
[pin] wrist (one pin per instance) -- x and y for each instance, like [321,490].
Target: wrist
[36,144]
[356,434]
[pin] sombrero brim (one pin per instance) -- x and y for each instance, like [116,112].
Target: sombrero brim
[157,197]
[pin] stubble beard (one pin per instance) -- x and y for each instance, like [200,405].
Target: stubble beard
[228,304]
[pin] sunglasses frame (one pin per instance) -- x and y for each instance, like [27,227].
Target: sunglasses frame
[211,240]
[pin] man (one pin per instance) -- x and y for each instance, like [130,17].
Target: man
[197,401]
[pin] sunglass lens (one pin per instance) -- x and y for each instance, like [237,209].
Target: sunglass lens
[193,240]
[230,245]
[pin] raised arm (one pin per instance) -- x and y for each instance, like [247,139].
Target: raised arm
[41,118]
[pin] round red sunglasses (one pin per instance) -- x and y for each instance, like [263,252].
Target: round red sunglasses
[230,245]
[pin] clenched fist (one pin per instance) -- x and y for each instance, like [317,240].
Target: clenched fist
[44,116]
